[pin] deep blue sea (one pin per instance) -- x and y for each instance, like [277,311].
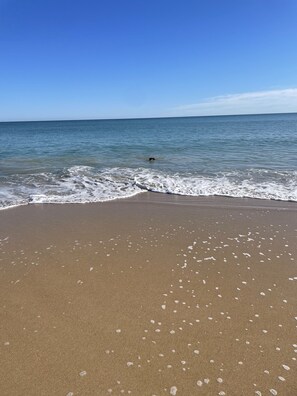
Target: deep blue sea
[90,161]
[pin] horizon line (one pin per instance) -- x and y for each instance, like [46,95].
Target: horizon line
[148,118]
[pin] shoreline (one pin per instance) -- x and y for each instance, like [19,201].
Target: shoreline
[150,197]
[150,295]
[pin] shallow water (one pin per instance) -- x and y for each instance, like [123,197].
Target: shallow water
[90,161]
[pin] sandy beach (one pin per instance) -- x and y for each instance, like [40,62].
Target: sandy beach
[152,295]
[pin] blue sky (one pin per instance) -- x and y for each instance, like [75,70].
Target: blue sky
[70,59]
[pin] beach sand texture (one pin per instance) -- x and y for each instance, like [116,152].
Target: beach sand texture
[153,295]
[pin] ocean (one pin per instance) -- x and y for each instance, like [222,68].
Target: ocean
[99,160]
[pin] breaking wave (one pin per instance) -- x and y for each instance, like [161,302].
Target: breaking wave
[83,184]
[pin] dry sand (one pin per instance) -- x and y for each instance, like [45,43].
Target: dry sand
[154,295]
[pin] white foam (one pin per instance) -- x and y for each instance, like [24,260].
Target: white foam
[83,184]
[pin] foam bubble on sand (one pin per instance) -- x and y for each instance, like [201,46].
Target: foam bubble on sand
[286,367]
[273,392]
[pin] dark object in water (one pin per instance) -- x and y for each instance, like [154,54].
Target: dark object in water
[152,159]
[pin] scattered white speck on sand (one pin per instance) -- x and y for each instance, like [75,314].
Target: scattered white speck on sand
[220,380]
[6,343]
[286,367]
[173,390]
[129,364]
[281,378]
[222,393]
[258,393]
[163,306]
[118,331]
[199,383]
[70,394]
[83,373]
[273,392]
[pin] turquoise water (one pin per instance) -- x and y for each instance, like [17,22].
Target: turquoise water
[89,161]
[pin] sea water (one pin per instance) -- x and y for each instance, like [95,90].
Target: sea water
[98,160]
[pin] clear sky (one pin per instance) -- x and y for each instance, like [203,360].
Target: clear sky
[73,59]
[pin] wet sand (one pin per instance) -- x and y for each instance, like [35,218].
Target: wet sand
[153,295]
